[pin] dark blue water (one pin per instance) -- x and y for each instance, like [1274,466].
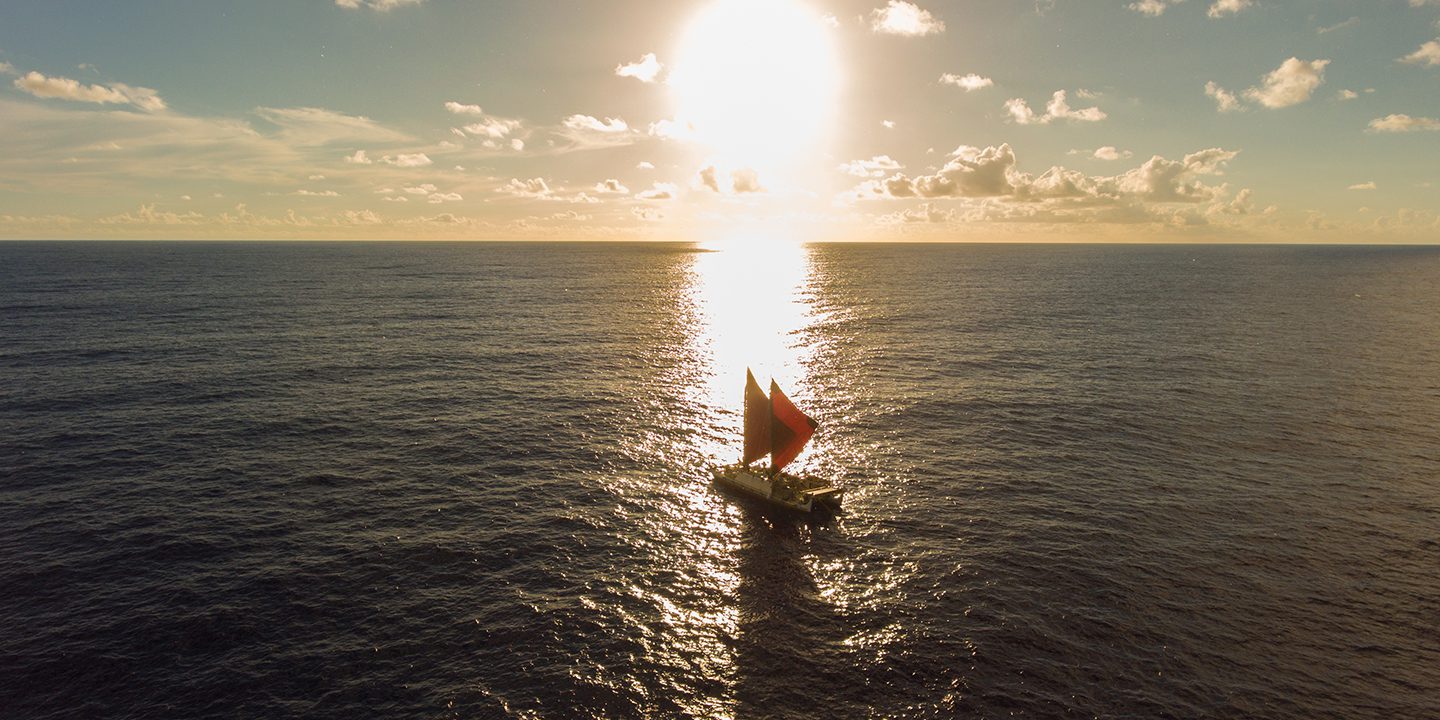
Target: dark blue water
[469,480]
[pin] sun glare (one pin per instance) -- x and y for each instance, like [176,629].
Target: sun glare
[756,82]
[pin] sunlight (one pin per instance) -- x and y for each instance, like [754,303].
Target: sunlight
[751,296]
[756,83]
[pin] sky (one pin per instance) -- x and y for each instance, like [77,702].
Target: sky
[722,120]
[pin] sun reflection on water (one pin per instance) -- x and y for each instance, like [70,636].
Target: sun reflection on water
[749,291]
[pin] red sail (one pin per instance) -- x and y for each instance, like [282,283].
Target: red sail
[757,421]
[790,429]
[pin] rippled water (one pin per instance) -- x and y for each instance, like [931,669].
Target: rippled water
[469,480]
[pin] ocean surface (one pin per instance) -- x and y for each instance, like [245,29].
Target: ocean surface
[371,480]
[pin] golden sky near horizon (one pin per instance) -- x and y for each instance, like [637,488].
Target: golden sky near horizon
[718,120]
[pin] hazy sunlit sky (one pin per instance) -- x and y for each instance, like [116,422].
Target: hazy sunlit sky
[1043,120]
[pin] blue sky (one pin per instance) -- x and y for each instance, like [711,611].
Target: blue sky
[1196,120]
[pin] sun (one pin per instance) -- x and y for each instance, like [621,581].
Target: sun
[756,82]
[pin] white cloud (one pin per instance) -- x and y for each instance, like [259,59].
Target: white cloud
[463,109]
[408,160]
[1109,152]
[969,83]
[924,213]
[359,158]
[970,173]
[659,191]
[830,21]
[397,198]
[888,124]
[318,126]
[437,198]
[906,19]
[646,69]
[645,165]
[492,128]
[1221,8]
[611,187]
[424,189]
[317,193]
[1428,55]
[877,166]
[746,180]
[586,123]
[1225,101]
[1056,109]
[1337,26]
[1153,8]
[532,188]
[992,173]
[1400,122]
[672,130]
[377,5]
[62,88]
[1290,84]
[1363,186]
[1346,95]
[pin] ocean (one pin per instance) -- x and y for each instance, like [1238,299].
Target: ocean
[431,480]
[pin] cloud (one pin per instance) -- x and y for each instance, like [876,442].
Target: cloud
[532,188]
[1428,55]
[1153,8]
[494,132]
[586,123]
[646,69]
[1225,101]
[437,198]
[407,160]
[905,19]
[644,165]
[1337,26]
[359,158]
[8,69]
[970,173]
[1221,8]
[992,173]
[316,193]
[660,191]
[1363,186]
[888,124]
[463,109]
[924,213]
[1346,95]
[376,5]
[318,126]
[1398,123]
[708,178]
[877,166]
[1056,109]
[1109,152]
[739,182]
[745,180]
[611,187]
[1290,84]
[671,130]
[584,132]
[969,83]
[66,89]
[148,215]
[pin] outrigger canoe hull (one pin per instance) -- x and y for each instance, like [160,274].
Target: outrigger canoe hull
[782,489]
